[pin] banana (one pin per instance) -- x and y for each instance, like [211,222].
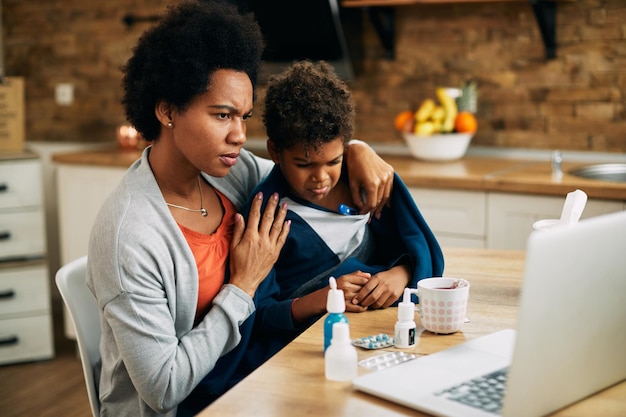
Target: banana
[425,128]
[438,115]
[451,110]
[425,110]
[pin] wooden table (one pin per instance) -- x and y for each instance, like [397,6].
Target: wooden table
[293,383]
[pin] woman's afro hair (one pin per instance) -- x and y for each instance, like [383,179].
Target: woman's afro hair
[175,60]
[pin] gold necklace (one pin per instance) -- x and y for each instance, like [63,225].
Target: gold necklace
[202,210]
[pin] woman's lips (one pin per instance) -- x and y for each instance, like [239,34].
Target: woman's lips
[230,159]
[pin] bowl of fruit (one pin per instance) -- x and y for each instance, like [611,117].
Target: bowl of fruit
[437,131]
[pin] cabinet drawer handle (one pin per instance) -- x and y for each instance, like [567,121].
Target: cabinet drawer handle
[7,294]
[11,340]
[3,187]
[5,234]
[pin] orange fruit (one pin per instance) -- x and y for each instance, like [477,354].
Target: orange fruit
[465,122]
[403,121]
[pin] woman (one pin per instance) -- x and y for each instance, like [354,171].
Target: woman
[171,263]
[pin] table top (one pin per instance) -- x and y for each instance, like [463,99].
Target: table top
[293,380]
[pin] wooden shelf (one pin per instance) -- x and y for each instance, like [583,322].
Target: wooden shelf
[382,16]
[377,3]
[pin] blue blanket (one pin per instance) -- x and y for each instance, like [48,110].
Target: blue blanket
[322,243]
[308,259]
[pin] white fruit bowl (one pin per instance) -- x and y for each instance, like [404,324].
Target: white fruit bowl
[438,147]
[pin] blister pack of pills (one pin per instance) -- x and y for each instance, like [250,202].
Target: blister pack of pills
[386,360]
[377,341]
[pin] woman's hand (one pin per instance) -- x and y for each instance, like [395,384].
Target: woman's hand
[256,246]
[384,288]
[371,178]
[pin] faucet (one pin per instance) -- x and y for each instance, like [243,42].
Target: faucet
[557,162]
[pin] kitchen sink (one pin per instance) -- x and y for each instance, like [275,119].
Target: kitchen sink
[602,172]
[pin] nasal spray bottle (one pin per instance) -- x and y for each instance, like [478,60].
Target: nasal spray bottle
[335,305]
[405,336]
[341,359]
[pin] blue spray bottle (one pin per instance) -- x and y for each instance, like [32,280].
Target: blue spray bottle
[335,305]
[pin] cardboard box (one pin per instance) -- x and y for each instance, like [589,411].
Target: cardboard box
[12,115]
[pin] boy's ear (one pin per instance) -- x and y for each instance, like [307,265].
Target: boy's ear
[274,154]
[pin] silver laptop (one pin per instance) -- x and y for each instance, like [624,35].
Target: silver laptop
[569,341]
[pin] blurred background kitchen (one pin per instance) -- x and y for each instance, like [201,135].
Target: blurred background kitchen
[574,101]
[549,74]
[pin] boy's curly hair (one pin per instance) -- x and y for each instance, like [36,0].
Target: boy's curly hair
[175,60]
[307,104]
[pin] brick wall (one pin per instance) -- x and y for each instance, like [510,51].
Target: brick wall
[576,101]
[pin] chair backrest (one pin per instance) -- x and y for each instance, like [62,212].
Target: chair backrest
[83,311]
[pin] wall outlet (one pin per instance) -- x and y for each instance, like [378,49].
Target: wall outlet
[64,94]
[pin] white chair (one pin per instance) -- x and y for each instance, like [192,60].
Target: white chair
[83,311]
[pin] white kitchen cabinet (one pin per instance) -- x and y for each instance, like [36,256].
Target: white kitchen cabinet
[25,306]
[493,220]
[457,218]
[81,190]
[511,216]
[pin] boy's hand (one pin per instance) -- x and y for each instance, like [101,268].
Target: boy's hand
[351,284]
[383,289]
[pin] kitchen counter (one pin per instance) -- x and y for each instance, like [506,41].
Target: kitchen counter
[105,157]
[505,175]
[473,172]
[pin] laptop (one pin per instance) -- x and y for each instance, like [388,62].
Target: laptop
[568,345]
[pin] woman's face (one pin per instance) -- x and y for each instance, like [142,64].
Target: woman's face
[311,175]
[212,130]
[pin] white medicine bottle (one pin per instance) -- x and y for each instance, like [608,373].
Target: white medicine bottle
[335,305]
[341,359]
[405,329]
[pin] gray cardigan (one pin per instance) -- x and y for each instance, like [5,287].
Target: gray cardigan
[144,277]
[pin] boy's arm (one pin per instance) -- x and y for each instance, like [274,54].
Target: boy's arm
[314,304]
[311,305]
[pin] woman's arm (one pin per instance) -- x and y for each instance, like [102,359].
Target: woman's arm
[371,178]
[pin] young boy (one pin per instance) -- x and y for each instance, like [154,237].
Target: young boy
[309,118]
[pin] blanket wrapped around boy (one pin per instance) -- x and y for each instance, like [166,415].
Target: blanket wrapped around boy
[323,243]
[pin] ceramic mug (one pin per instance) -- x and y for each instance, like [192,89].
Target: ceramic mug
[442,303]
[546,224]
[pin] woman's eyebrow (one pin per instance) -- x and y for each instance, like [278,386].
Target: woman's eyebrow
[223,107]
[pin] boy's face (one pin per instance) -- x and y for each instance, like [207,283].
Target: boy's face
[311,175]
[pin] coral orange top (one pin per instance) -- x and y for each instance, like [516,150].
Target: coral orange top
[211,253]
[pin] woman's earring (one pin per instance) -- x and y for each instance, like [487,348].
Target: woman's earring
[170,125]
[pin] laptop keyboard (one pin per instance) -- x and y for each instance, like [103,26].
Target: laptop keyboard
[485,392]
